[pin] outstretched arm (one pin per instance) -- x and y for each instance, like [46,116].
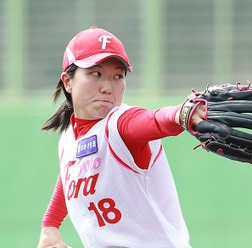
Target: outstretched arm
[137,126]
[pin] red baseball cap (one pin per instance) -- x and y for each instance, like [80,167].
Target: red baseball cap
[90,47]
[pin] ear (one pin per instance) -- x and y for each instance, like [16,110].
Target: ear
[66,81]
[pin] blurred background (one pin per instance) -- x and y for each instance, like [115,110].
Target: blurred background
[173,46]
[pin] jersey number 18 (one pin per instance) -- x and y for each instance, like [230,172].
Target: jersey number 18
[105,211]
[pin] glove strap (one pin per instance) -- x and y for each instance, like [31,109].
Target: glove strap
[187,111]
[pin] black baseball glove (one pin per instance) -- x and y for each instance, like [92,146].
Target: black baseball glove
[226,130]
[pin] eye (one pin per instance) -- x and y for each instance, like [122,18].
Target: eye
[119,76]
[96,73]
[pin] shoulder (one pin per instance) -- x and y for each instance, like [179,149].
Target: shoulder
[125,110]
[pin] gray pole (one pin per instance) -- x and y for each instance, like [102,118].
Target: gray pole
[223,41]
[15,43]
[152,59]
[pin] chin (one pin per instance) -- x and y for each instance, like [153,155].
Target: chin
[103,112]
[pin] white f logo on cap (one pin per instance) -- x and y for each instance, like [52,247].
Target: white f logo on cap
[105,40]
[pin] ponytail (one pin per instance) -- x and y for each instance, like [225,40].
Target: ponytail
[61,119]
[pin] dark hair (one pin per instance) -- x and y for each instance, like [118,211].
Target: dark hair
[61,119]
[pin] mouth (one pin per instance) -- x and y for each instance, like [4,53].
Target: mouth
[104,101]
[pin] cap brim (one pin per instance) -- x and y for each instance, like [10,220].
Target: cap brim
[98,58]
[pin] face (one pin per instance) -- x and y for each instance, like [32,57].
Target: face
[96,90]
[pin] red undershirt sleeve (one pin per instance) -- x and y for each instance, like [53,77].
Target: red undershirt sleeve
[165,120]
[143,125]
[137,126]
[56,210]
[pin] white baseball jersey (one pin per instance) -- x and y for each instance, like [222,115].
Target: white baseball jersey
[110,200]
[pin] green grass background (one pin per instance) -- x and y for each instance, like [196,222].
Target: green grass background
[215,193]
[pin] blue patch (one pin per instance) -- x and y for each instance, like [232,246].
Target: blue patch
[87,146]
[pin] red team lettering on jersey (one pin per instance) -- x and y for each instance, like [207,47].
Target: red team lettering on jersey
[86,186]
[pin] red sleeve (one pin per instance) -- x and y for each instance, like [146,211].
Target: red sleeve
[142,125]
[56,210]
[137,126]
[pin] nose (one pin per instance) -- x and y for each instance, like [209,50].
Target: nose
[106,87]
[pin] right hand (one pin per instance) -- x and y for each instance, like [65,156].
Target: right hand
[198,115]
[50,238]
